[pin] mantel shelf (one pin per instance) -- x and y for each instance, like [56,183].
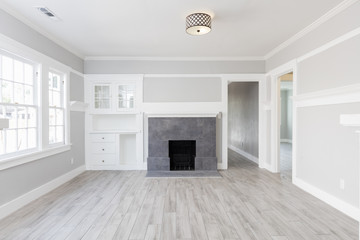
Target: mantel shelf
[163,115]
[116,132]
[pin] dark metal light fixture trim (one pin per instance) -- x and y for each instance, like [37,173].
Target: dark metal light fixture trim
[198,23]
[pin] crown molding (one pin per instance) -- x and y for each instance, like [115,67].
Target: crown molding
[40,30]
[326,17]
[121,58]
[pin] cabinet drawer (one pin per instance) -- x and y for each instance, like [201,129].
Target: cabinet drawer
[103,159]
[103,148]
[102,137]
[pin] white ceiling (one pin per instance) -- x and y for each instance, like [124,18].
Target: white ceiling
[156,28]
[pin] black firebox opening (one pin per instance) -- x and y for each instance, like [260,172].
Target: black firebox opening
[182,154]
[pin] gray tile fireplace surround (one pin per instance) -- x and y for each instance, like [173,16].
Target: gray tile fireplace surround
[200,129]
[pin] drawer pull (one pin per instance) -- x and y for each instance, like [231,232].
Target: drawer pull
[103,149]
[103,161]
[102,138]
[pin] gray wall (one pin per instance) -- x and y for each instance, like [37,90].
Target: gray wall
[339,25]
[243,117]
[172,67]
[22,33]
[286,115]
[21,179]
[181,89]
[326,151]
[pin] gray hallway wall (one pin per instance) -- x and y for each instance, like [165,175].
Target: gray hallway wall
[243,117]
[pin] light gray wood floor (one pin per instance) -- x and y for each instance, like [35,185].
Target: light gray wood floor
[247,203]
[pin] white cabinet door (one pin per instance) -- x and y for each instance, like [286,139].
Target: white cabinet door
[101,97]
[125,97]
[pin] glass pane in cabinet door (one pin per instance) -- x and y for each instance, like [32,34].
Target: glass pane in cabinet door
[97,91]
[105,92]
[122,103]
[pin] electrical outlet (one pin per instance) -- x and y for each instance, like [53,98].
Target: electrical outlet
[342,184]
[72,161]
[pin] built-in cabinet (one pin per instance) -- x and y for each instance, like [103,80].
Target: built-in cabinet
[114,123]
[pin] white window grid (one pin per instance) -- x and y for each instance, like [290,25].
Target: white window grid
[17,103]
[56,110]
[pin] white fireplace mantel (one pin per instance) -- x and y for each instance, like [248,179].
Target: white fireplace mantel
[182,115]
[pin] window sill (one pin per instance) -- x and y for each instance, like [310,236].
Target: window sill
[30,157]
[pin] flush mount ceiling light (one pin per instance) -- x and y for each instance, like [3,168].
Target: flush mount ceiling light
[198,24]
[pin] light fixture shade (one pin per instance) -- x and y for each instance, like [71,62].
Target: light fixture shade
[198,23]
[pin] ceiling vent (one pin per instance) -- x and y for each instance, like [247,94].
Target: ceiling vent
[47,12]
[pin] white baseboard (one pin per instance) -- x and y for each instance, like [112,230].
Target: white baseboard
[221,166]
[344,207]
[246,155]
[286,140]
[12,206]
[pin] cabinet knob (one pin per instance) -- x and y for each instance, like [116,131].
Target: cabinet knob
[102,138]
[102,160]
[103,149]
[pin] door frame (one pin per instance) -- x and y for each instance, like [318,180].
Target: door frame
[275,115]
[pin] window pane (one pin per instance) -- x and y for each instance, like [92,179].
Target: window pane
[10,141]
[59,134]
[18,71]
[29,95]
[32,116]
[57,99]
[7,68]
[50,80]
[21,112]
[52,138]
[59,117]
[7,92]
[52,120]
[2,142]
[32,140]
[18,93]
[11,115]
[51,98]
[29,74]
[56,82]
[22,139]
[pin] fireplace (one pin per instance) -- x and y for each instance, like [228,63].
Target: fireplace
[182,155]
[168,132]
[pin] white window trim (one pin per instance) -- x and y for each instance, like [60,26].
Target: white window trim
[46,64]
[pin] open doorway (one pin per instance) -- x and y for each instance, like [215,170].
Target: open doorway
[243,122]
[286,124]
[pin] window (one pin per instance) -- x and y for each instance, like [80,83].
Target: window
[56,108]
[18,104]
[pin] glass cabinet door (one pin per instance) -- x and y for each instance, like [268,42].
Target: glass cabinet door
[102,97]
[125,96]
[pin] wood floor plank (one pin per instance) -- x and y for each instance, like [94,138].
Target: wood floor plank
[246,203]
